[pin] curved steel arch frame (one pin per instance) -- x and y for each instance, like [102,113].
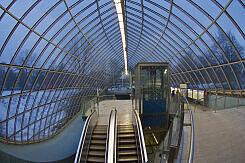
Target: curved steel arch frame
[76,48]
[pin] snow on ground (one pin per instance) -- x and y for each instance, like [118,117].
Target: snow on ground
[19,104]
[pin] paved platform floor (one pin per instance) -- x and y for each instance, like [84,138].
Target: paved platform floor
[220,136]
[124,111]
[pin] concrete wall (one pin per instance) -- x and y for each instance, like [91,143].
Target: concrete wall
[6,158]
[62,146]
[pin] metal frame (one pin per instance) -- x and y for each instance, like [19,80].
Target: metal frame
[66,65]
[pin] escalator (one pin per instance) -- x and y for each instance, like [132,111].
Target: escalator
[98,144]
[127,150]
[97,141]
[111,143]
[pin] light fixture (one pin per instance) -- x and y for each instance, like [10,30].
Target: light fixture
[118,4]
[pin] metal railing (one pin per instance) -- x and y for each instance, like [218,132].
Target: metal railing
[168,149]
[82,150]
[217,99]
[192,137]
[111,141]
[91,120]
[140,140]
[93,104]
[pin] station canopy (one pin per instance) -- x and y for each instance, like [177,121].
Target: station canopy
[55,54]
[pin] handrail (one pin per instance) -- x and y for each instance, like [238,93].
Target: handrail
[141,138]
[168,149]
[191,148]
[82,138]
[111,141]
[209,100]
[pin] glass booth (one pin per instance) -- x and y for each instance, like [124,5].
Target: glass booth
[152,93]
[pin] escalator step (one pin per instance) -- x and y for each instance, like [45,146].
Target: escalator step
[126,135]
[127,131]
[97,136]
[96,153]
[127,146]
[97,147]
[101,127]
[128,159]
[96,141]
[127,152]
[100,132]
[98,144]
[127,141]
[96,159]
[126,127]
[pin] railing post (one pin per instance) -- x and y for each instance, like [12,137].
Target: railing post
[238,102]
[224,101]
[215,102]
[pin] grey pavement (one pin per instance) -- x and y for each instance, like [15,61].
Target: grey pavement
[220,136]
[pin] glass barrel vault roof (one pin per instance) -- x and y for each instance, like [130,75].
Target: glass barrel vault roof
[55,54]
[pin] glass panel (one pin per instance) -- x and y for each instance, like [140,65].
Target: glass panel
[10,127]
[49,19]
[236,11]
[239,70]
[37,12]
[209,7]
[14,40]
[232,36]
[20,7]
[221,78]
[231,77]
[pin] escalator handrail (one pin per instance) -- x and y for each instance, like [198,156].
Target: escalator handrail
[111,141]
[82,138]
[192,138]
[141,137]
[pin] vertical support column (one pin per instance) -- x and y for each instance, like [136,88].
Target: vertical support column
[97,100]
[131,90]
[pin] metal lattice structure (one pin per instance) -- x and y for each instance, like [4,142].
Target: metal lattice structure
[55,54]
